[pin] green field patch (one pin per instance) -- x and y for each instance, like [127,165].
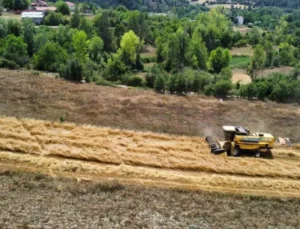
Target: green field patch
[239,61]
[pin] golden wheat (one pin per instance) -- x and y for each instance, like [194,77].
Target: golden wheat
[132,154]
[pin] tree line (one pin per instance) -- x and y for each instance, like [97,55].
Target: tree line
[192,55]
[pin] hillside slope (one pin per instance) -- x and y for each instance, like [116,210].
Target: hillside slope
[26,95]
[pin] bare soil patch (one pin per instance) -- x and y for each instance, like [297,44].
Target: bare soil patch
[240,75]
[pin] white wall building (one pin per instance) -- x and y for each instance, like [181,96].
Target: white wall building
[37,17]
[240,20]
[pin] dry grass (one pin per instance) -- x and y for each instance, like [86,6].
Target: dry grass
[282,70]
[242,29]
[242,51]
[6,15]
[135,157]
[26,95]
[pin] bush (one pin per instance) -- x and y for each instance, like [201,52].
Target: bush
[226,73]
[4,63]
[209,90]
[241,43]
[135,81]
[103,82]
[149,59]
[223,87]
[156,70]
[55,19]
[172,84]
[160,84]
[72,71]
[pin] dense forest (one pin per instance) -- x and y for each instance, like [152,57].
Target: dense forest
[192,53]
[291,4]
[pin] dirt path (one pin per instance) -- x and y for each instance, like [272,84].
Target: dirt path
[95,153]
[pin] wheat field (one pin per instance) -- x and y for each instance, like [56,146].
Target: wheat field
[89,152]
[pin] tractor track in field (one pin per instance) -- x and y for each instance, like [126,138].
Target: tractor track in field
[141,158]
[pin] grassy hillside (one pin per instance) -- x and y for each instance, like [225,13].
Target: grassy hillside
[26,95]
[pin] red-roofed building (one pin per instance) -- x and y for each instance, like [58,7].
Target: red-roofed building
[44,9]
[71,5]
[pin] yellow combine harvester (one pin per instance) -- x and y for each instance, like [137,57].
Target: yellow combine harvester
[239,139]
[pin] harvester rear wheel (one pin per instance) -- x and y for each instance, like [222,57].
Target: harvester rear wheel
[257,153]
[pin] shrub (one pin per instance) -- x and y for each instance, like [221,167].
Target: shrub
[103,82]
[4,63]
[209,90]
[172,84]
[160,84]
[72,71]
[223,87]
[156,70]
[135,81]
[181,85]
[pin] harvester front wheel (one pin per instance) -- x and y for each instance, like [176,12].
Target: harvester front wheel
[236,152]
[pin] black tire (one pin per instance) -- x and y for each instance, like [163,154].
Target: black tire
[236,152]
[257,154]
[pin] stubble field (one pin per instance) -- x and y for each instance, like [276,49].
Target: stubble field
[138,159]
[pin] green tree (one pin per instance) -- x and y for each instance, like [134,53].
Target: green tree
[74,70]
[14,27]
[42,36]
[103,28]
[286,54]
[130,47]
[218,59]
[281,91]
[28,35]
[3,29]
[20,4]
[75,19]
[62,7]
[270,54]
[15,49]
[49,57]
[257,62]
[55,19]
[9,4]
[197,53]
[95,48]
[177,47]
[87,26]
[80,44]
[262,90]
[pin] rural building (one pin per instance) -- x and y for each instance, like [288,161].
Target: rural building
[37,3]
[240,20]
[44,9]
[71,5]
[37,17]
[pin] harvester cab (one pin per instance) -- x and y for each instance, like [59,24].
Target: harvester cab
[239,139]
